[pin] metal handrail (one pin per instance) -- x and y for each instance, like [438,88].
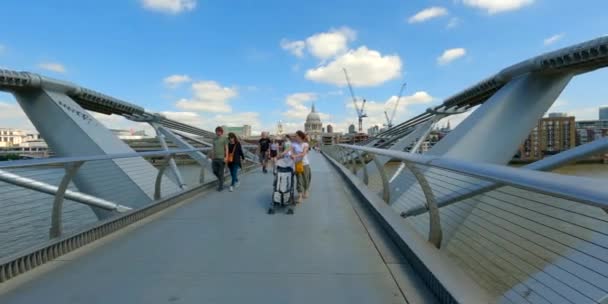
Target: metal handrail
[71,159]
[590,192]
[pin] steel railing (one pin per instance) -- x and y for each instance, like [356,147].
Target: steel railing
[43,213]
[527,235]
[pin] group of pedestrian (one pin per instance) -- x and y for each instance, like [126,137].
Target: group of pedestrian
[227,151]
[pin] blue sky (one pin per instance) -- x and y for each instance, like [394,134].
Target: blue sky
[211,62]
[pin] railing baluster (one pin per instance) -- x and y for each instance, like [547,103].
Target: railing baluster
[435,233]
[386,192]
[159,176]
[365,175]
[56,216]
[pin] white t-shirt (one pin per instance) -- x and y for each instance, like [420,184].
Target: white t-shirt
[298,148]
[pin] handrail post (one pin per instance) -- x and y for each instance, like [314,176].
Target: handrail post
[159,176]
[353,162]
[365,175]
[386,193]
[56,216]
[435,233]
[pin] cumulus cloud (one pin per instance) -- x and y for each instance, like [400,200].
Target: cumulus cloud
[208,96]
[451,55]
[375,110]
[553,39]
[296,103]
[328,44]
[12,116]
[454,22]
[322,45]
[53,67]
[427,14]
[174,81]
[365,67]
[119,122]
[191,118]
[498,6]
[169,6]
[294,47]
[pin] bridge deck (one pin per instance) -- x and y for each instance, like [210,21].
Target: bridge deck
[224,248]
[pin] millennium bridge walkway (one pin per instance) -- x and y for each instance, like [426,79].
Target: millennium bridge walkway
[222,247]
[101,223]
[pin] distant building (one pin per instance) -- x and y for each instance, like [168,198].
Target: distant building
[330,129]
[242,131]
[551,136]
[373,130]
[604,113]
[313,126]
[10,137]
[351,129]
[582,124]
[557,114]
[280,128]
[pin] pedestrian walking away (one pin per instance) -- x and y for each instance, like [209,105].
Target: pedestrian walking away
[219,155]
[234,159]
[264,150]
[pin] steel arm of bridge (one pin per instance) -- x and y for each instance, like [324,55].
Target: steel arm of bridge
[547,164]
[248,155]
[400,145]
[418,144]
[196,155]
[163,143]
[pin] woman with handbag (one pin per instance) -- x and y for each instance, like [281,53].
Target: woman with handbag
[235,155]
[302,167]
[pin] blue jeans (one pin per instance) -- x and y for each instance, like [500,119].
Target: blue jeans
[234,171]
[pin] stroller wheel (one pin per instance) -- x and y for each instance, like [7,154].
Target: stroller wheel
[270,210]
[289,211]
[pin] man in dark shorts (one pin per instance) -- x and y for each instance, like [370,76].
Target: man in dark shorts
[219,154]
[264,150]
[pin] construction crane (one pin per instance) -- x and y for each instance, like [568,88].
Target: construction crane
[360,111]
[389,121]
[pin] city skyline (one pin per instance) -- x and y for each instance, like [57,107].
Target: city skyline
[181,58]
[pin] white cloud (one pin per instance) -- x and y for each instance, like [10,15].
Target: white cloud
[332,43]
[294,47]
[553,39]
[174,81]
[12,116]
[53,67]
[427,14]
[169,6]
[454,22]
[119,122]
[365,67]
[498,6]
[191,118]
[451,55]
[297,108]
[209,96]
[590,113]
[209,122]
[375,110]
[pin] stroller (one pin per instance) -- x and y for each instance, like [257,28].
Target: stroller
[283,194]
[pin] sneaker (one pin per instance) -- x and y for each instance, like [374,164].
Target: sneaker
[219,189]
[231,189]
